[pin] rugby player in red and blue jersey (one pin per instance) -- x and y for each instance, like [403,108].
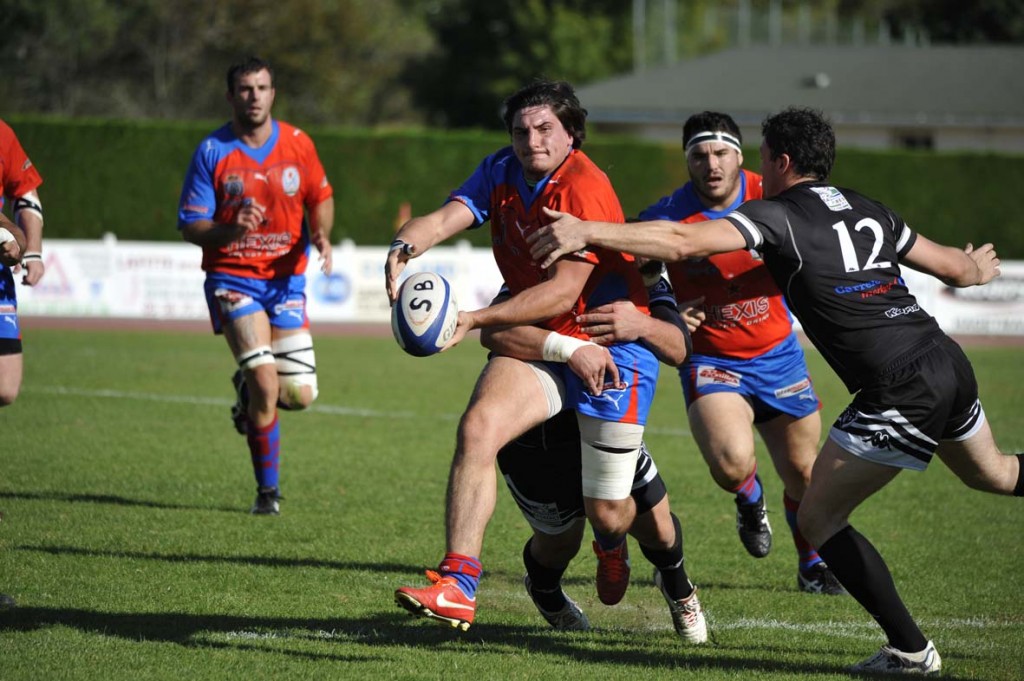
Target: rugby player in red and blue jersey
[255,198]
[747,369]
[543,168]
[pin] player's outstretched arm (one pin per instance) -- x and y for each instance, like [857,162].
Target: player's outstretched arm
[419,235]
[658,239]
[953,266]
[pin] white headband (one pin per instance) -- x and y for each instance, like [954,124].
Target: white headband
[709,136]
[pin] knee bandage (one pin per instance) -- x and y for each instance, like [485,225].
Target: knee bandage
[609,453]
[247,361]
[296,368]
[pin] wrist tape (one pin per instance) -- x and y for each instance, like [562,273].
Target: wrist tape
[559,348]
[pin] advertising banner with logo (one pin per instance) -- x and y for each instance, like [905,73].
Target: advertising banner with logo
[153,280]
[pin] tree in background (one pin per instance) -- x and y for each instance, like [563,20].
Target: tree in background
[949,21]
[486,50]
[371,62]
[337,61]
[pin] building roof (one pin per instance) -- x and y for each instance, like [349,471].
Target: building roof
[889,85]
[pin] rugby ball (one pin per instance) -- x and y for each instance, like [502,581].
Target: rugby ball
[424,317]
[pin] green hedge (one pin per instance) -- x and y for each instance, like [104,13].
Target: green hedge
[125,177]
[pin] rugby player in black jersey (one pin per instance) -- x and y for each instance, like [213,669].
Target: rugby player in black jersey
[836,256]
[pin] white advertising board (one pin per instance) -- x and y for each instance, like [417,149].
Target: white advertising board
[153,280]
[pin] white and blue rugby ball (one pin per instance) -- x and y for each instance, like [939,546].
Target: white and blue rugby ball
[425,315]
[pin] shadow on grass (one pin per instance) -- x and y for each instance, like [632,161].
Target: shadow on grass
[266,561]
[386,631]
[114,500]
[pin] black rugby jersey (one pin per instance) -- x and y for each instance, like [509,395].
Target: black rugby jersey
[835,255]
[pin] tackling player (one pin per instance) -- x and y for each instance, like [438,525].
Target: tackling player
[836,255]
[21,248]
[255,198]
[748,369]
[542,469]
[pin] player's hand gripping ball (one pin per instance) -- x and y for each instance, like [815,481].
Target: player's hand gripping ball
[425,315]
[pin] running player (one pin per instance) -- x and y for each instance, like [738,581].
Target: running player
[544,167]
[255,198]
[836,256]
[22,248]
[748,368]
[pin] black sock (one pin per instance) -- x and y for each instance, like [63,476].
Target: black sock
[860,568]
[1018,491]
[546,583]
[670,564]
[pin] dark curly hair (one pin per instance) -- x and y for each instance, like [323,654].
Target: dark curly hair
[560,96]
[250,65]
[710,121]
[806,137]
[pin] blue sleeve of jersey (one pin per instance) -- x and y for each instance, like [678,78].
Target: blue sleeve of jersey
[667,208]
[198,198]
[475,192]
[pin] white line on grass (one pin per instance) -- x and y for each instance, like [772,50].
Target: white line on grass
[205,401]
[851,630]
[334,410]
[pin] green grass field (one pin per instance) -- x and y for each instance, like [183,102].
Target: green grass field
[127,542]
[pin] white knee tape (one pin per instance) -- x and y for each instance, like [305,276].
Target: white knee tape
[255,357]
[609,453]
[296,366]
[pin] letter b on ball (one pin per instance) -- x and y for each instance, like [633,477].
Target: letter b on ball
[424,317]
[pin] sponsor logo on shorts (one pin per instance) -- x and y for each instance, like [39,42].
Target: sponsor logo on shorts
[292,308]
[894,312]
[230,301]
[709,375]
[879,440]
[848,416]
[609,394]
[791,390]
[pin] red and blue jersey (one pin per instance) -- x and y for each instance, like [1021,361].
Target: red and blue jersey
[498,192]
[17,174]
[17,177]
[283,177]
[745,313]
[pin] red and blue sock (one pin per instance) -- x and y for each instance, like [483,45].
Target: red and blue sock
[749,491]
[465,569]
[807,554]
[265,451]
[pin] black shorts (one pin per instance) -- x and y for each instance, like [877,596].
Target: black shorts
[10,346]
[899,418]
[542,471]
